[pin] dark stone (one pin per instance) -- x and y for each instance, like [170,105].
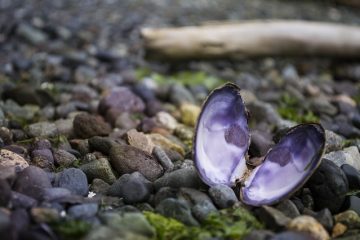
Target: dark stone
[5,193]
[164,193]
[31,180]
[101,144]
[328,186]
[99,186]
[87,126]
[83,211]
[5,225]
[20,220]
[288,208]
[260,144]
[75,180]
[52,194]
[272,218]
[202,210]
[352,175]
[24,94]
[223,196]
[133,188]
[177,209]
[63,158]
[353,203]
[129,159]
[99,168]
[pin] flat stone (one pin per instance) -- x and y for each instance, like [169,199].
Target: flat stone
[11,159]
[99,168]
[309,225]
[129,159]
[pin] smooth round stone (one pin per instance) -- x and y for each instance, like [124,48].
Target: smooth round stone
[352,175]
[31,180]
[99,186]
[202,210]
[133,188]
[164,193]
[5,224]
[328,186]
[52,194]
[63,158]
[83,211]
[87,126]
[177,209]
[309,225]
[75,180]
[178,95]
[42,129]
[223,196]
[288,208]
[260,143]
[99,168]
[19,201]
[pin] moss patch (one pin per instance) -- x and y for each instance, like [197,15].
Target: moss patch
[183,77]
[73,229]
[232,223]
[289,108]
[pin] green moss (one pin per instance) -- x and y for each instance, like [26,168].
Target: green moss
[289,108]
[232,223]
[73,229]
[184,77]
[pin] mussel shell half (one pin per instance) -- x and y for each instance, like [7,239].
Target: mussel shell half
[222,137]
[286,167]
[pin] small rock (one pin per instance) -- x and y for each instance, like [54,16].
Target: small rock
[42,129]
[126,120]
[166,144]
[53,194]
[354,204]
[43,158]
[309,225]
[352,175]
[349,156]
[101,144]
[128,159]
[139,140]
[31,34]
[349,218]
[260,143]
[178,95]
[322,105]
[75,180]
[99,168]
[5,225]
[83,211]
[63,158]
[202,210]
[163,159]
[31,180]
[338,230]
[328,186]
[223,196]
[10,159]
[121,99]
[165,120]
[44,215]
[134,188]
[334,142]
[87,126]
[7,172]
[193,196]
[99,186]
[184,133]
[189,114]
[273,218]
[65,127]
[177,209]
[288,208]
[164,193]
[19,200]
[185,177]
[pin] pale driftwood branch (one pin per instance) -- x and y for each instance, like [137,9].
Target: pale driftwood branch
[253,39]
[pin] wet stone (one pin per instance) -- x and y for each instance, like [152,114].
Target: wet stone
[75,180]
[177,209]
[133,188]
[99,168]
[328,186]
[223,196]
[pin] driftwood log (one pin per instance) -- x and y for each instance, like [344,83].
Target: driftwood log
[253,39]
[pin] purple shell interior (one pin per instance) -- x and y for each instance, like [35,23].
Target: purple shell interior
[222,137]
[286,166]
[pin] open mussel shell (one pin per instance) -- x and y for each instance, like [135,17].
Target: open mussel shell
[222,137]
[286,166]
